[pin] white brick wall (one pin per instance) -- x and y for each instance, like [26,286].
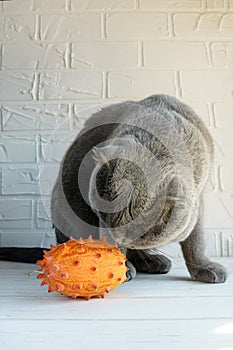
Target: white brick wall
[103,54]
[136,83]
[206,84]
[135,25]
[34,55]
[70,27]
[17,86]
[62,60]
[22,117]
[157,54]
[69,86]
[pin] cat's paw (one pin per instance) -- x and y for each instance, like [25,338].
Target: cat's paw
[131,273]
[147,262]
[211,273]
[157,264]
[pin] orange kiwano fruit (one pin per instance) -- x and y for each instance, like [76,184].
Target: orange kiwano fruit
[83,268]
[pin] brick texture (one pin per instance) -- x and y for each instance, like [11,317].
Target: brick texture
[140,83]
[190,5]
[53,147]
[15,213]
[104,55]
[34,55]
[137,25]
[222,54]
[70,27]
[157,54]
[61,61]
[20,179]
[17,149]
[211,84]
[20,117]
[17,86]
[67,85]
[47,176]
[214,5]
[27,238]
[203,26]
[102,4]
[42,214]
[17,27]
[35,5]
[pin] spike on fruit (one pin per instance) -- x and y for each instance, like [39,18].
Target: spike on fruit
[81,240]
[72,238]
[104,238]
[43,283]
[48,257]
[56,268]
[94,285]
[52,246]
[78,286]
[68,268]
[65,275]
[76,262]
[40,262]
[81,248]
[60,287]
[74,295]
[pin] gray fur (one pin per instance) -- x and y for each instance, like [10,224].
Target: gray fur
[160,172]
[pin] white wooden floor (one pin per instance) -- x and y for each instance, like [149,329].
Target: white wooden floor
[150,312]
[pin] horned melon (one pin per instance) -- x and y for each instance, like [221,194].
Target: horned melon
[83,268]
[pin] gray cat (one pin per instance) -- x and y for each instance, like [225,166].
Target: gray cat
[137,171]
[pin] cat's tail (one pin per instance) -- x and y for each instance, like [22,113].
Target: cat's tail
[25,255]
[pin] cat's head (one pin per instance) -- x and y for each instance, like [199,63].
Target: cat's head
[132,194]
